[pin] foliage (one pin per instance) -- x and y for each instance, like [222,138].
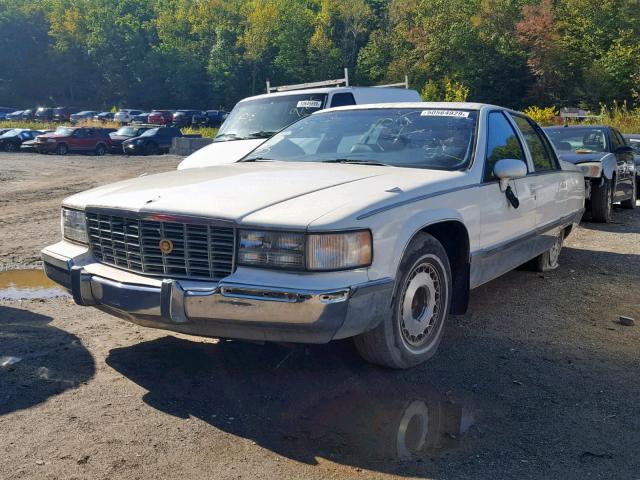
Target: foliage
[541,115]
[210,53]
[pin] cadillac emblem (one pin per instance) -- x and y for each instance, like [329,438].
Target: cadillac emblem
[166,246]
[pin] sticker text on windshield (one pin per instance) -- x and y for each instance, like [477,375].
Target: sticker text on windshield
[444,113]
[309,104]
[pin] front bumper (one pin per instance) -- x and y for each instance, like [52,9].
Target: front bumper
[132,148]
[228,309]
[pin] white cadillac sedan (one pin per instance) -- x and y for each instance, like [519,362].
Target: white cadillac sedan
[371,222]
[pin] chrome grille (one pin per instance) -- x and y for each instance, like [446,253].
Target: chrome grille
[199,251]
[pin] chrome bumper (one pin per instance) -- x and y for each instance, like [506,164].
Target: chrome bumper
[229,309]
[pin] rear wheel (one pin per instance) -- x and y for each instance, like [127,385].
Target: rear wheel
[631,203]
[62,149]
[602,201]
[412,332]
[101,149]
[549,259]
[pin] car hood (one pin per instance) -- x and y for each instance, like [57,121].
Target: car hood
[120,138]
[220,153]
[278,194]
[576,158]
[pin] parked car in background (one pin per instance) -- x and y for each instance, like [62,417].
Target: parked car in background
[161,117]
[12,140]
[633,139]
[151,142]
[104,116]
[83,115]
[125,115]
[124,133]
[44,114]
[4,111]
[29,146]
[606,161]
[63,114]
[184,118]
[140,119]
[210,118]
[74,139]
[17,115]
[28,114]
[4,130]
[254,119]
[372,222]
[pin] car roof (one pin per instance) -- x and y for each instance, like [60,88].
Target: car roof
[424,105]
[307,91]
[567,127]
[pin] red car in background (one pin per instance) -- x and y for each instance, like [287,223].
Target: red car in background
[74,139]
[161,117]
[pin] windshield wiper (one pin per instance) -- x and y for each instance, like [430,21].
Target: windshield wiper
[355,161]
[225,137]
[261,134]
[258,159]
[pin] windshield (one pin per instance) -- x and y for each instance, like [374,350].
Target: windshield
[10,133]
[581,140]
[402,137]
[149,133]
[635,144]
[127,131]
[64,131]
[262,117]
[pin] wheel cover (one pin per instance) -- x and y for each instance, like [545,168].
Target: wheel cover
[420,307]
[554,252]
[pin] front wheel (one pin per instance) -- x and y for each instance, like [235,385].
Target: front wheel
[151,149]
[602,201]
[422,297]
[62,149]
[10,147]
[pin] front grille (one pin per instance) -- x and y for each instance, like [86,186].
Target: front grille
[199,251]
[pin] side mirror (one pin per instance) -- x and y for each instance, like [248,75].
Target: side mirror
[623,149]
[509,169]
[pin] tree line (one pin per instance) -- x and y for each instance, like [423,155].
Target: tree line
[211,53]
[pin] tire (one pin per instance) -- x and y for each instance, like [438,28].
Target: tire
[101,149]
[549,259]
[10,147]
[62,149]
[630,204]
[602,201]
[151,149]
[412,332]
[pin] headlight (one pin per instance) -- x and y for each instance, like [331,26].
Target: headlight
[339,251]
[271,249]
[297,251]
[592,170]
[74,226]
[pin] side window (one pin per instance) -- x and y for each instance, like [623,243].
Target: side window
[342,99]
[619,140]
[502,142]
[540,152]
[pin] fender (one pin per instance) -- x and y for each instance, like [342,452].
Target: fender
[609,166]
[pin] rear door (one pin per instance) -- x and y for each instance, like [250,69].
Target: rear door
[547,183]
[507,233]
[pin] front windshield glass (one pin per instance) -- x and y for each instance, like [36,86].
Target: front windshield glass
[64,131]
[635,144]
[10,133]
[402,137]
[581,140]
[149,133]
[127,131]
[262,117]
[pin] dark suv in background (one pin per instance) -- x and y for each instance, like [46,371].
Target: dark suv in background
[63,114]
[152,142]
[184,118]
[44,114]
[210,118]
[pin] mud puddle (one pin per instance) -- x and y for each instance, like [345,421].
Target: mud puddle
[28,285]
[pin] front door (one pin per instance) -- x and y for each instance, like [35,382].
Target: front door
[507,232]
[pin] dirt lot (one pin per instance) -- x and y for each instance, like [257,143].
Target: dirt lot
[536,381]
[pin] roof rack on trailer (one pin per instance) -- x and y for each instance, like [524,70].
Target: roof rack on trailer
[299,86]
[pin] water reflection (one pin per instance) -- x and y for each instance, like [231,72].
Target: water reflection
[28,284]
[305,404]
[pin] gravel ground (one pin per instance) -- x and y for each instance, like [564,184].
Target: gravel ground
[537,381]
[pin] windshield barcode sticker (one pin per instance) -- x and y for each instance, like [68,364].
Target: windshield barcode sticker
[309,104]
[444,113]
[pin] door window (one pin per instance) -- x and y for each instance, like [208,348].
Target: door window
[502,142]
[342,99]
[538,147]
